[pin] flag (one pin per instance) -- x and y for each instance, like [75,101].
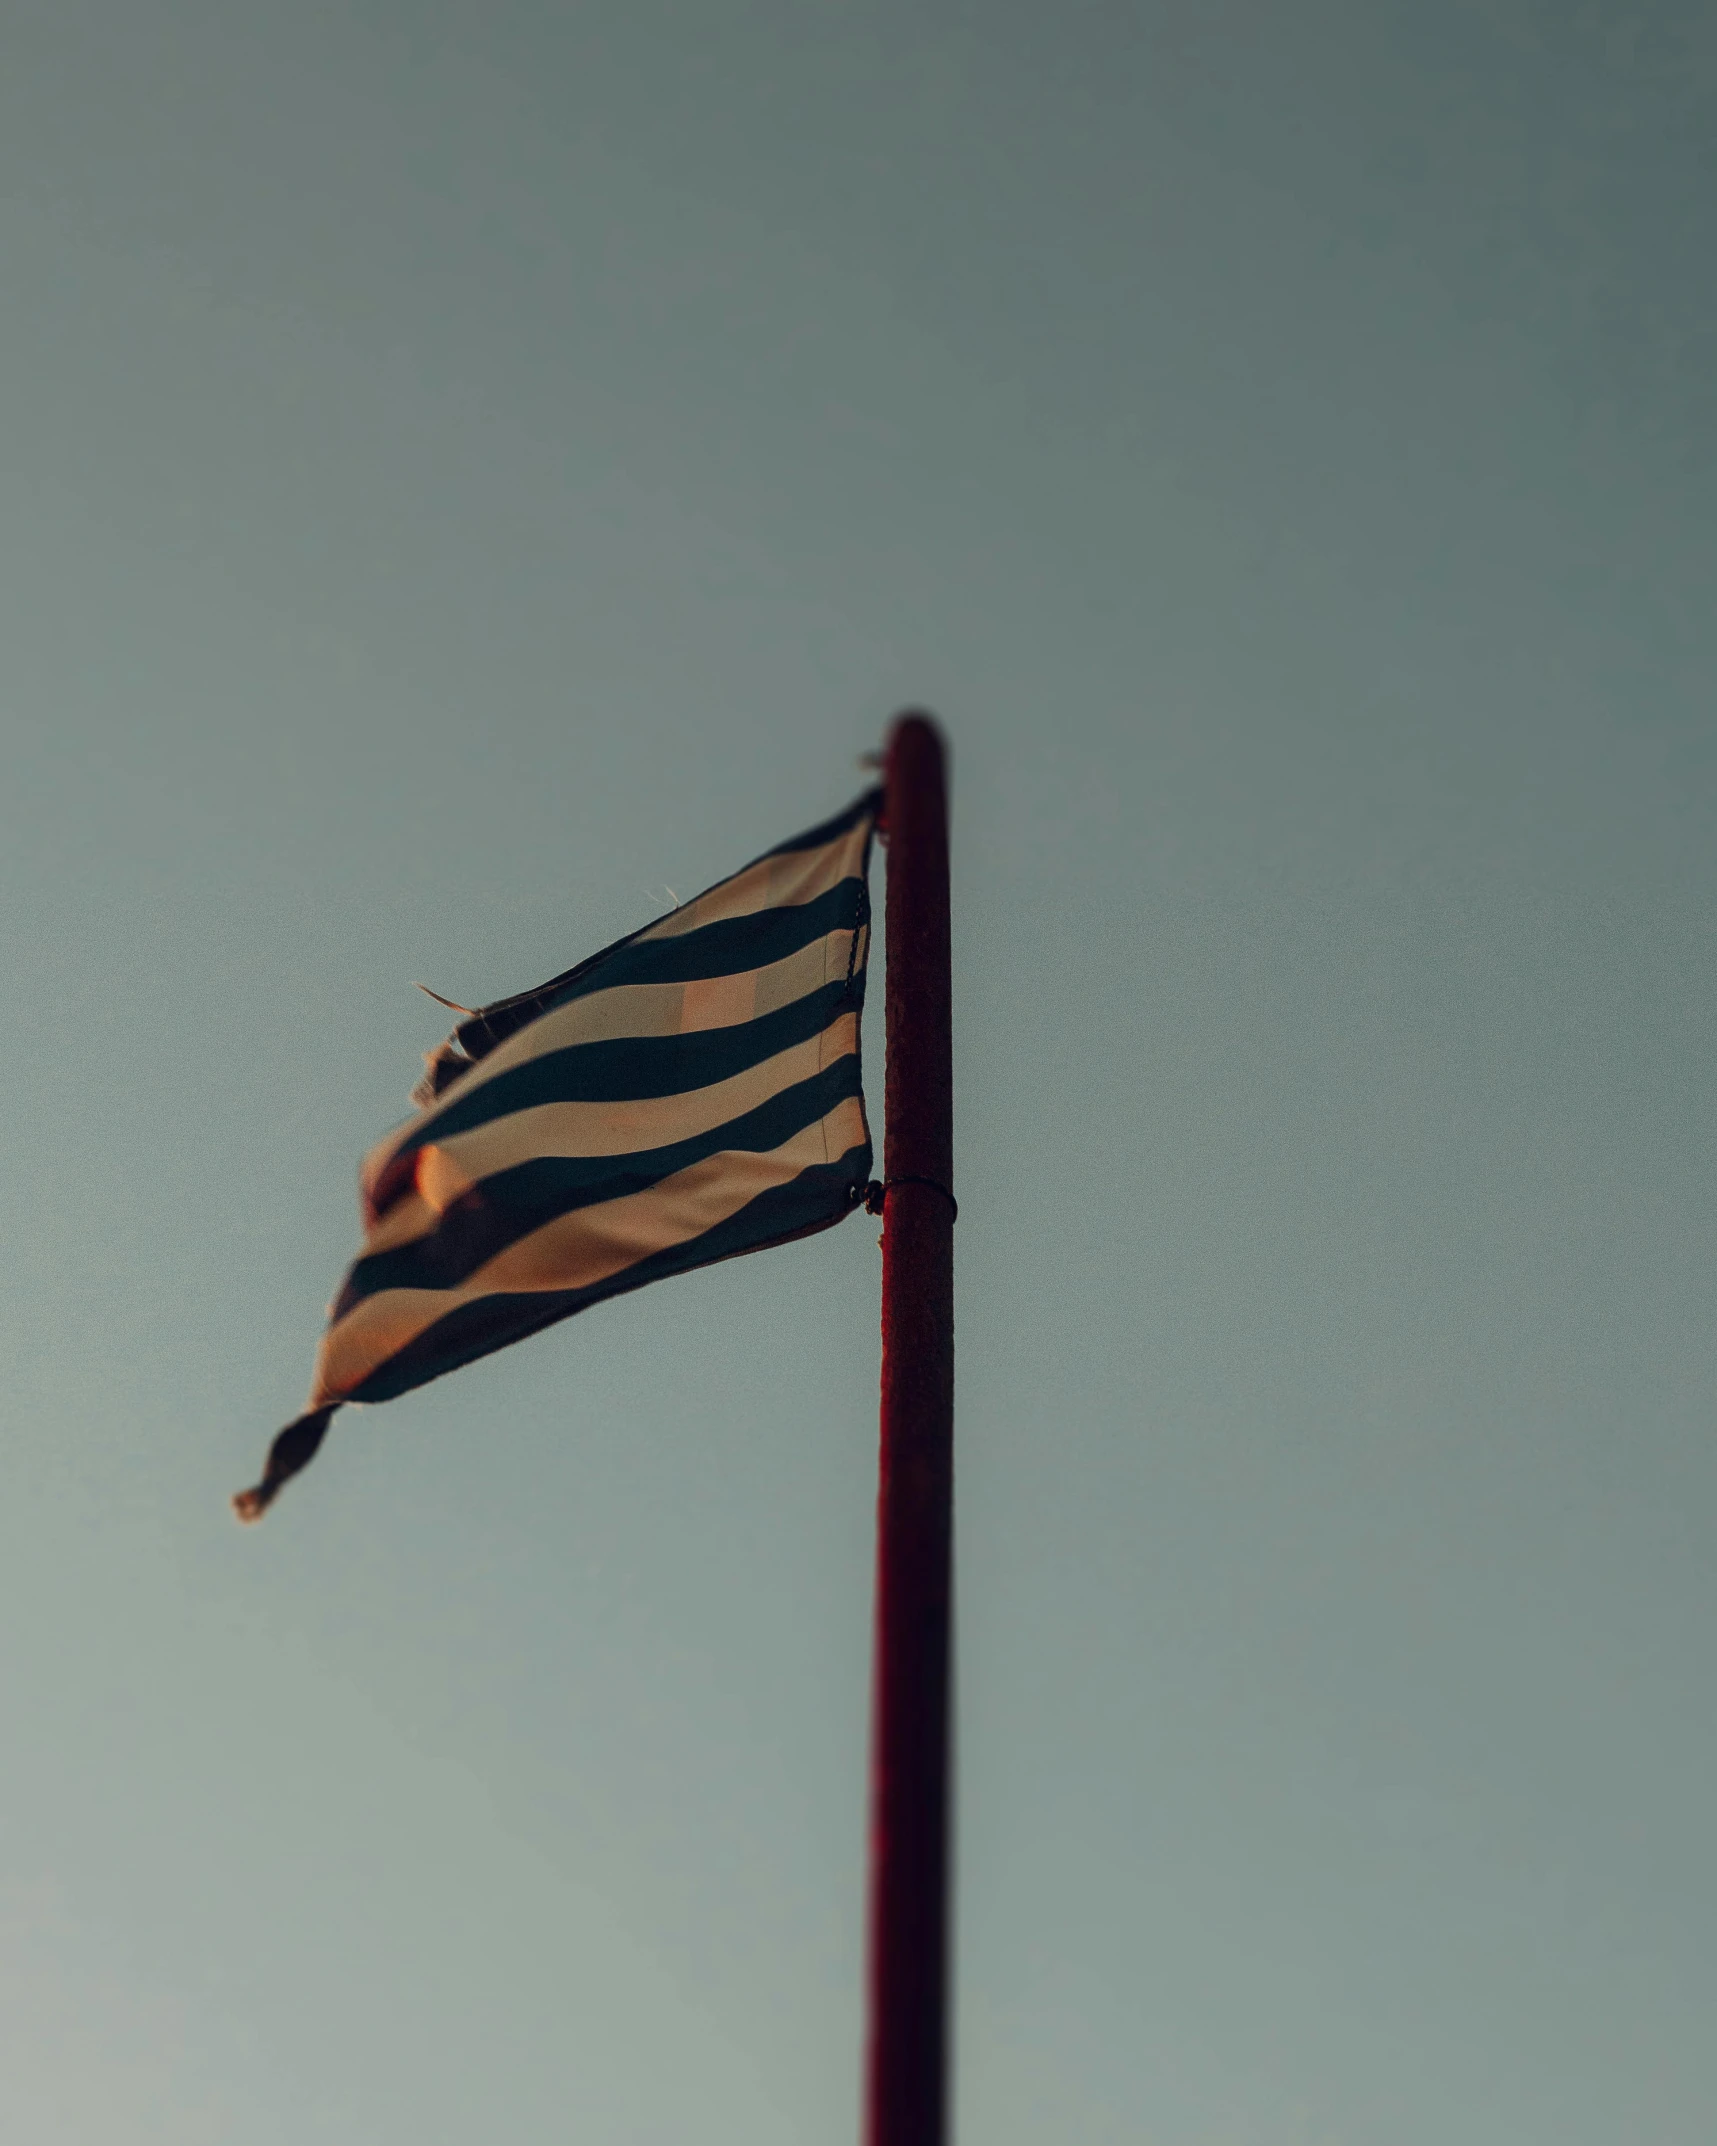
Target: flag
[689,1093]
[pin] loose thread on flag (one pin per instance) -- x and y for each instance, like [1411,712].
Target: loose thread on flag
[452,1004]
[293,1449]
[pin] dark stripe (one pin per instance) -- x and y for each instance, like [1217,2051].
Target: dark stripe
[869,805]
[507,1206]
[816,1199]
[724,948]
[621,1069]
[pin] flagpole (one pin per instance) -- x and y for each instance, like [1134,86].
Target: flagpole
[906,2044]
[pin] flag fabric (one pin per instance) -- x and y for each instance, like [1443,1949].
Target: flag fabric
[689,1093]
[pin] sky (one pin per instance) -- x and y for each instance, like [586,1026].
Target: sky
[469,470]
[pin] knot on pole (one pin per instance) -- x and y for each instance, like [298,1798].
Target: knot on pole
[876,1192]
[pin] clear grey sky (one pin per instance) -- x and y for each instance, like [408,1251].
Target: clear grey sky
[470,467]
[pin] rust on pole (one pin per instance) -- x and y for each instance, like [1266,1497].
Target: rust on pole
[907,2036]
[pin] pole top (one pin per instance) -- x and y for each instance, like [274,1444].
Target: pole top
[914,727]
[915,764]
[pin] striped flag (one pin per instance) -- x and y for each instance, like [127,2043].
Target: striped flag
[689,1093]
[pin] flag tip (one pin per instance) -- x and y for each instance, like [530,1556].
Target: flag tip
[293,1449]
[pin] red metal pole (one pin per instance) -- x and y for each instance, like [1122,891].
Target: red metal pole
[906,2054]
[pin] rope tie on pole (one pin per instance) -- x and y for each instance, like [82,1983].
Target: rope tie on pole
[876,1192]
